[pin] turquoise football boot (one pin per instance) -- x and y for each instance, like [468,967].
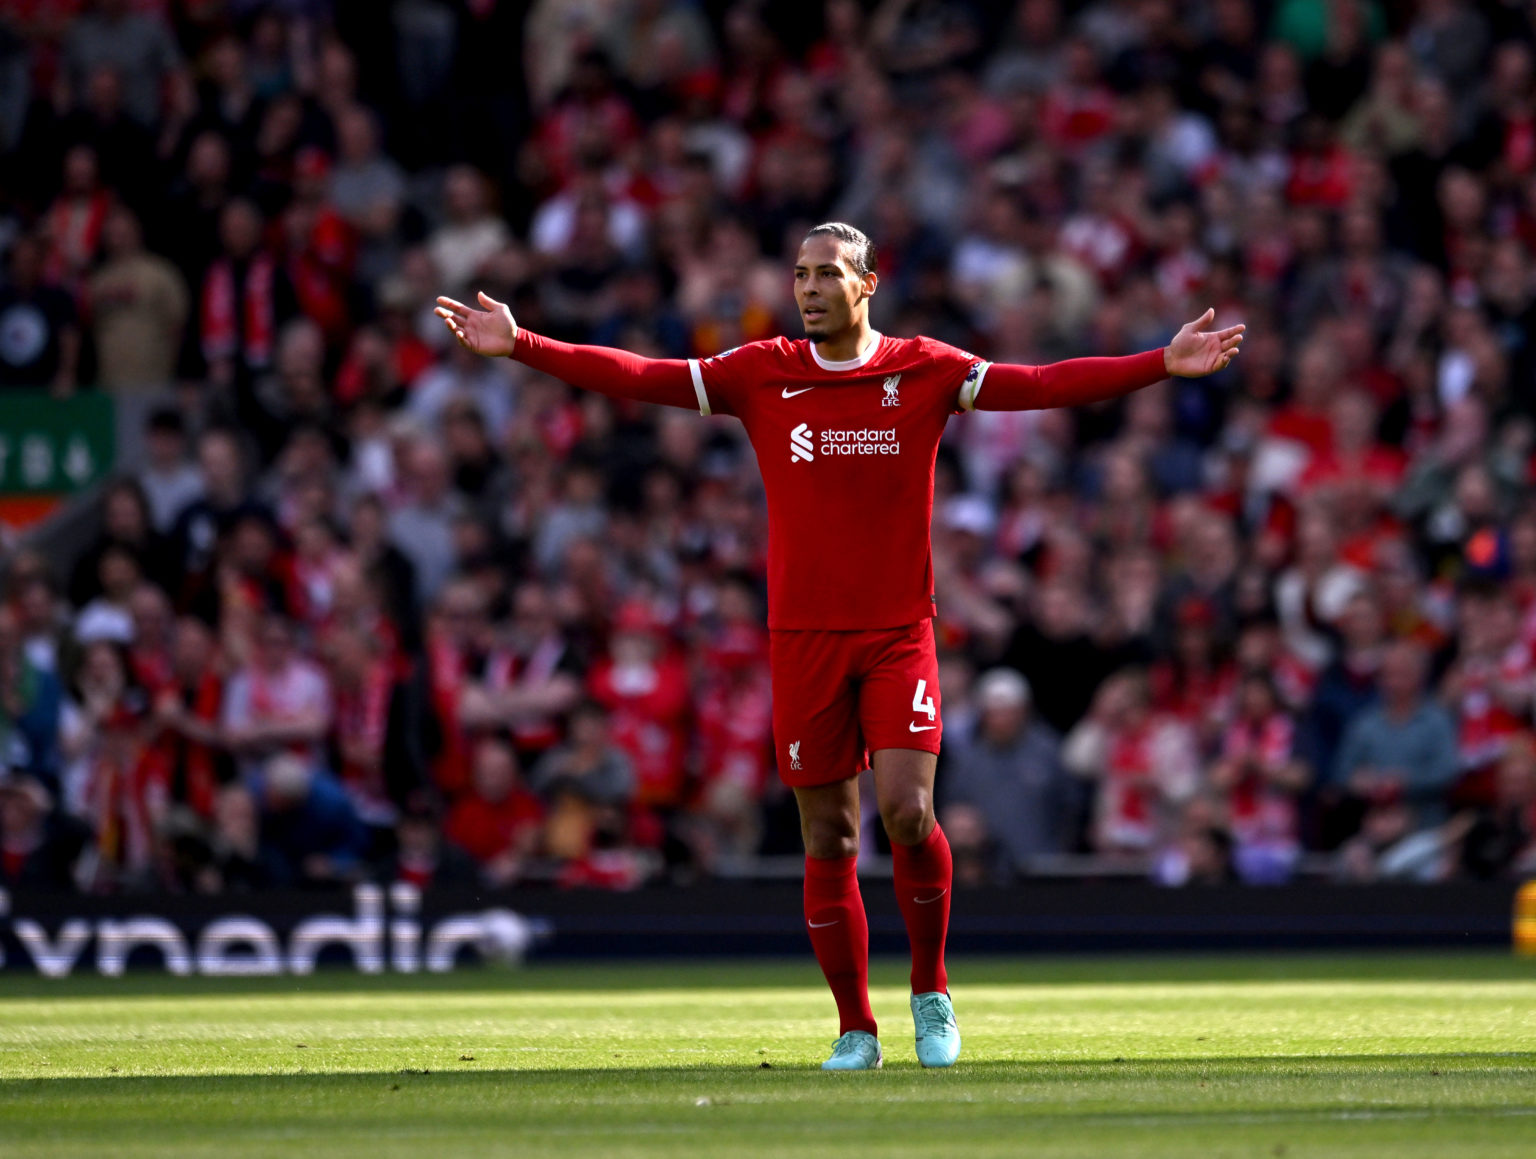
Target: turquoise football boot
[938,1038]
[856,1050]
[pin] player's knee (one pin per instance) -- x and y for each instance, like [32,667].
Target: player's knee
[908,821]
[833,836]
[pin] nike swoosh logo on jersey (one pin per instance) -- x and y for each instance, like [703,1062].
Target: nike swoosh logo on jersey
[924,728]
[930,900]
[787,393]
[821,925]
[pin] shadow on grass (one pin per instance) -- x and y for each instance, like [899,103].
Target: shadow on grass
[1010,1071]
[542,976]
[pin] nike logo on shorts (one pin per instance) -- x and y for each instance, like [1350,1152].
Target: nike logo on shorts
[921,728]
[930,900]
[787,393]
[821,925]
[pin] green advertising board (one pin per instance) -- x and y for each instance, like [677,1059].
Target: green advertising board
[54,446]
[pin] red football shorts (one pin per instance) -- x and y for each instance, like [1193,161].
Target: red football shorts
[838,696]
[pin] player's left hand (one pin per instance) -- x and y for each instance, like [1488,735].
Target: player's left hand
[1196,351]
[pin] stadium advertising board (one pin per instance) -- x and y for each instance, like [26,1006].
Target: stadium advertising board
[385,931]
[51,448]
[398,929]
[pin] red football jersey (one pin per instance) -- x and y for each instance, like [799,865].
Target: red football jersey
[847,452]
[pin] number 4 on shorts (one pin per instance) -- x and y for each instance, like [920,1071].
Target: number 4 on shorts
[919,704]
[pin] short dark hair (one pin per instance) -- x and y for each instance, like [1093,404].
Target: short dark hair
[861,251]
[166,420]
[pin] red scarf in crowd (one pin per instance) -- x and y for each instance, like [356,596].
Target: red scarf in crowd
[446,664]
[158,766]
[222,307]
[74,230]
[362,713]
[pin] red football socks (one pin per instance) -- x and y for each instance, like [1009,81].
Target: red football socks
[839,930]
[924,874]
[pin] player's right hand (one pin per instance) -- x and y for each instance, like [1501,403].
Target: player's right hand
[489,331]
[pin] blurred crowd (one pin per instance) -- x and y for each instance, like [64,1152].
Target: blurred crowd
[366,606]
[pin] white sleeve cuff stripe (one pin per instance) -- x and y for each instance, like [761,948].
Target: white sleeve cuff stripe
[698,386]
[972,387]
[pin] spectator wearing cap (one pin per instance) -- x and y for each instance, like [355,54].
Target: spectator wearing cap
[308,826]
[1007,781]
[1405,746]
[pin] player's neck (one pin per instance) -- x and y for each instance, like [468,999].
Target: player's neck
[848,345]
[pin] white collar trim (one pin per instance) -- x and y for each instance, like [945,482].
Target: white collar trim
[849,363]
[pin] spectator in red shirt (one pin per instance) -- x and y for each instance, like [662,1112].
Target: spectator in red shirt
[735,737]
[363,677]
[185,759]
[1261,778]
[321,246]
[644,685]
[497,822]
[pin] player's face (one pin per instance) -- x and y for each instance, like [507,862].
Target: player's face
[830,293]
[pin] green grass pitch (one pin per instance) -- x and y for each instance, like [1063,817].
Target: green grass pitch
[1392,1055]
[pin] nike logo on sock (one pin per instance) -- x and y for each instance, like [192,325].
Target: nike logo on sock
[922,728]
[930,900]
[787,393]
[821,925]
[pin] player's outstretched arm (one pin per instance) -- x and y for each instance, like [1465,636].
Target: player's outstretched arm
[1195,351]
[492,331]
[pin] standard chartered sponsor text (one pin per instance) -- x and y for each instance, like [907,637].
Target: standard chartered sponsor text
[860,442]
